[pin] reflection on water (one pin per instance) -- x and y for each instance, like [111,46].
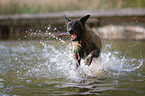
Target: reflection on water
[46,68]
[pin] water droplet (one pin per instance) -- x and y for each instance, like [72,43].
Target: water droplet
[48,28]
[17,71]
[53,36]
[49,33]
[28,81]
[16,58]
[46,31]
[55,29]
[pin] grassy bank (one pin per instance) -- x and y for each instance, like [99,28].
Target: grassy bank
[45,6]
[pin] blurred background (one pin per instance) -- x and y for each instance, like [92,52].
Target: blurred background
[47,6]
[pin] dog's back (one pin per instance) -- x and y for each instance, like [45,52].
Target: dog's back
[92,37]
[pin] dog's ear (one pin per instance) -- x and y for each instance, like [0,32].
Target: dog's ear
[67,18]
[84,19]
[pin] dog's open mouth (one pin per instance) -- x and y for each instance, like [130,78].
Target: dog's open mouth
[74,36]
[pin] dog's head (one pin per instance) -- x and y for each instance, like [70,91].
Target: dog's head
[76,27]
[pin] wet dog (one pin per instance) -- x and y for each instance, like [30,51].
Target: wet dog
[86,44]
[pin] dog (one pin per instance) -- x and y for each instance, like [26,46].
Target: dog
[86,44]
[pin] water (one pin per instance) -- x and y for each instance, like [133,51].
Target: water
[45,68]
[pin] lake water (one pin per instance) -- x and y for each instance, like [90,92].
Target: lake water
[45,68]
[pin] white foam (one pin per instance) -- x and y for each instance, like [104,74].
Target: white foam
[59,64]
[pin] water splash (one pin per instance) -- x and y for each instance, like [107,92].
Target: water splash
[59,60]
[59,63]
[47,33]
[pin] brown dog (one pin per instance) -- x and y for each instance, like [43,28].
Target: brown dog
[86,44]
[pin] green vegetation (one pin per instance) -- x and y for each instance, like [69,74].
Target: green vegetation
[47,6]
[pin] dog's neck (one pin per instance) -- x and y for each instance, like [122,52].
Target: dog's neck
[86,34]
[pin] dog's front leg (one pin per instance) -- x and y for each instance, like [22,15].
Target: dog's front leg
[77,63]
[76,58]
[89,58]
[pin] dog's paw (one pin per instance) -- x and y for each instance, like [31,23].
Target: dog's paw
[88,61]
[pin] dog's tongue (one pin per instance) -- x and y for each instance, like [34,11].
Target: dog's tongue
[73,36]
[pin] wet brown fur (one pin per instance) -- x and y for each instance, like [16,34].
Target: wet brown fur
[87,47]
